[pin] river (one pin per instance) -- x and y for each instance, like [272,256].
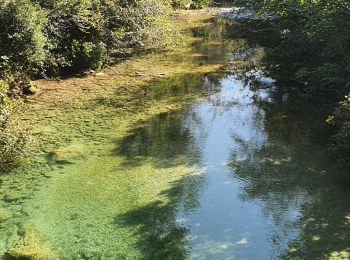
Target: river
[237,171]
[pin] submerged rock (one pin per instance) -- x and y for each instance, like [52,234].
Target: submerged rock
[4,215]
[30,89]
[13,196]
[29,252]
[29,246]
[68,154]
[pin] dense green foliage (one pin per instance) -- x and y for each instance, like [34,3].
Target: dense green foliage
[40,38]
[51,37]
[312,49]
[22,39]
[341,140]
[15,142]
[190,3]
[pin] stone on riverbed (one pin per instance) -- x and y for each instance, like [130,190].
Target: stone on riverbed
[30,89]
[13,196]
[4,215]
[30,246]
[69,154]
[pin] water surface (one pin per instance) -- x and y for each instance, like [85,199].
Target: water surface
[238,173]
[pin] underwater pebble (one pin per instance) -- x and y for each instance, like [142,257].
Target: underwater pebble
[140,74]
[13,196]
[4,215]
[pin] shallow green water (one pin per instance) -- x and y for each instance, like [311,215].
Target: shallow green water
[238,173]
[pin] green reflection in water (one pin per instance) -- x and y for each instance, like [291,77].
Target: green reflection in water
[149,175]
[95,197]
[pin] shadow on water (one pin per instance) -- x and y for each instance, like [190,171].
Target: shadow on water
[162,234]
[292,171]
[239,173]
[167,140]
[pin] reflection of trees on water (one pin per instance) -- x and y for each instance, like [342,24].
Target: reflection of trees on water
[299,188]
[279,161]
[211,42]
[165,138]
[172,139]
[168,140]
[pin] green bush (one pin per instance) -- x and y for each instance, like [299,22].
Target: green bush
[42,37]
[22,38]
[200,3]
[194,4]
[15,141]
[340,142]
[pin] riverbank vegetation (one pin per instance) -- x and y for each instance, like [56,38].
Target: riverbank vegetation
[311,49]
[15,141]
[43,39]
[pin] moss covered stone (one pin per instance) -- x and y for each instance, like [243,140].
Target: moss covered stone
[4,215]
[69,154]
[11,196]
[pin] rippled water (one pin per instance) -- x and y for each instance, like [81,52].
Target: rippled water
[239,173]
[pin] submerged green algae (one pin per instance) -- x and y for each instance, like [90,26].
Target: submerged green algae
[83,196]
[122,172]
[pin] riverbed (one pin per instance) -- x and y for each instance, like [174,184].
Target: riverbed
[179,156]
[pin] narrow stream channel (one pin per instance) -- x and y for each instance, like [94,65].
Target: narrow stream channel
[238,173]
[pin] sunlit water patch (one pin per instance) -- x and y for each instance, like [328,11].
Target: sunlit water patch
[230,123]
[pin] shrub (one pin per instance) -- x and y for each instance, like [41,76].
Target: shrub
[22,40]
[340,142]
[42,37]
[15,141]
[200,3]
[181,4]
